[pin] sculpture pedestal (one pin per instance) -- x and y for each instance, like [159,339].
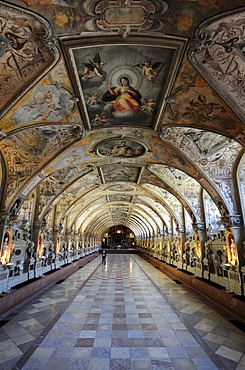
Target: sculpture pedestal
[28,267]
[3,279]
[191,269]
[198,269]
[179,265]
[38,268]
[234,279]
[208,268]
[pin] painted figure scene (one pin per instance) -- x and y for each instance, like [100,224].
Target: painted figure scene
[122,84]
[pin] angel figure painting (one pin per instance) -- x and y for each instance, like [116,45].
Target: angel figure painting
[151,70]
[118,89]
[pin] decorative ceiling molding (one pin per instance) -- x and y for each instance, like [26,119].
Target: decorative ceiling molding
[124,16]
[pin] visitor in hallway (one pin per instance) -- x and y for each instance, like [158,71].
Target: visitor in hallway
[103,257]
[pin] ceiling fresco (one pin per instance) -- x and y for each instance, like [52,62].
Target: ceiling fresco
[26,53]
[219,56]
[122,112]
[122,84]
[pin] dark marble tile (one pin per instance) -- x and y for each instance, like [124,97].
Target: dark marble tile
[119,327]
[160,364]
[151,342]
[90,326]
[120,364]
[84,342]
[120,342]
[93,315]
[119,315]
[144,315]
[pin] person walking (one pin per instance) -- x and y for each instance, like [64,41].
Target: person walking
[103,257]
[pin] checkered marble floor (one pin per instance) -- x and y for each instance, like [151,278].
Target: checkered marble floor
[124,315]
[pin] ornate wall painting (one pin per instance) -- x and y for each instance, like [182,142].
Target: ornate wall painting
[125,148]
[26,53]
[122,82]
[219,54]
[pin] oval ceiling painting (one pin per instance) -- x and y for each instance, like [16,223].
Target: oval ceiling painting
[121,148]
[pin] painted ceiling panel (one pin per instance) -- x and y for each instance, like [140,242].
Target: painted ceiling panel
[120,174]
[122,84]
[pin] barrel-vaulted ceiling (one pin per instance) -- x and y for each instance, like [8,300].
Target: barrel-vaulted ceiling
[122,111]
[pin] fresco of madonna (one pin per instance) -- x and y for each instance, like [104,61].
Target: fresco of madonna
[122,84]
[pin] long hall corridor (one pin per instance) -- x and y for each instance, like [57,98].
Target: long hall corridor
[122,315]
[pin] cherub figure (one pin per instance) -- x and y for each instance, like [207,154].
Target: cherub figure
[94,68]
[149,106]
[93,98]
[99,119]
[151,70]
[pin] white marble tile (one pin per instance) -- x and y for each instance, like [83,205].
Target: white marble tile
[214,338]
[203,327]
[229,353]
[23,339]
[28,322]
[8,350]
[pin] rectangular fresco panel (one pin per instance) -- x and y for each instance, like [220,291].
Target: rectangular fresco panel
[119,174]
[122,83]
[120,198]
